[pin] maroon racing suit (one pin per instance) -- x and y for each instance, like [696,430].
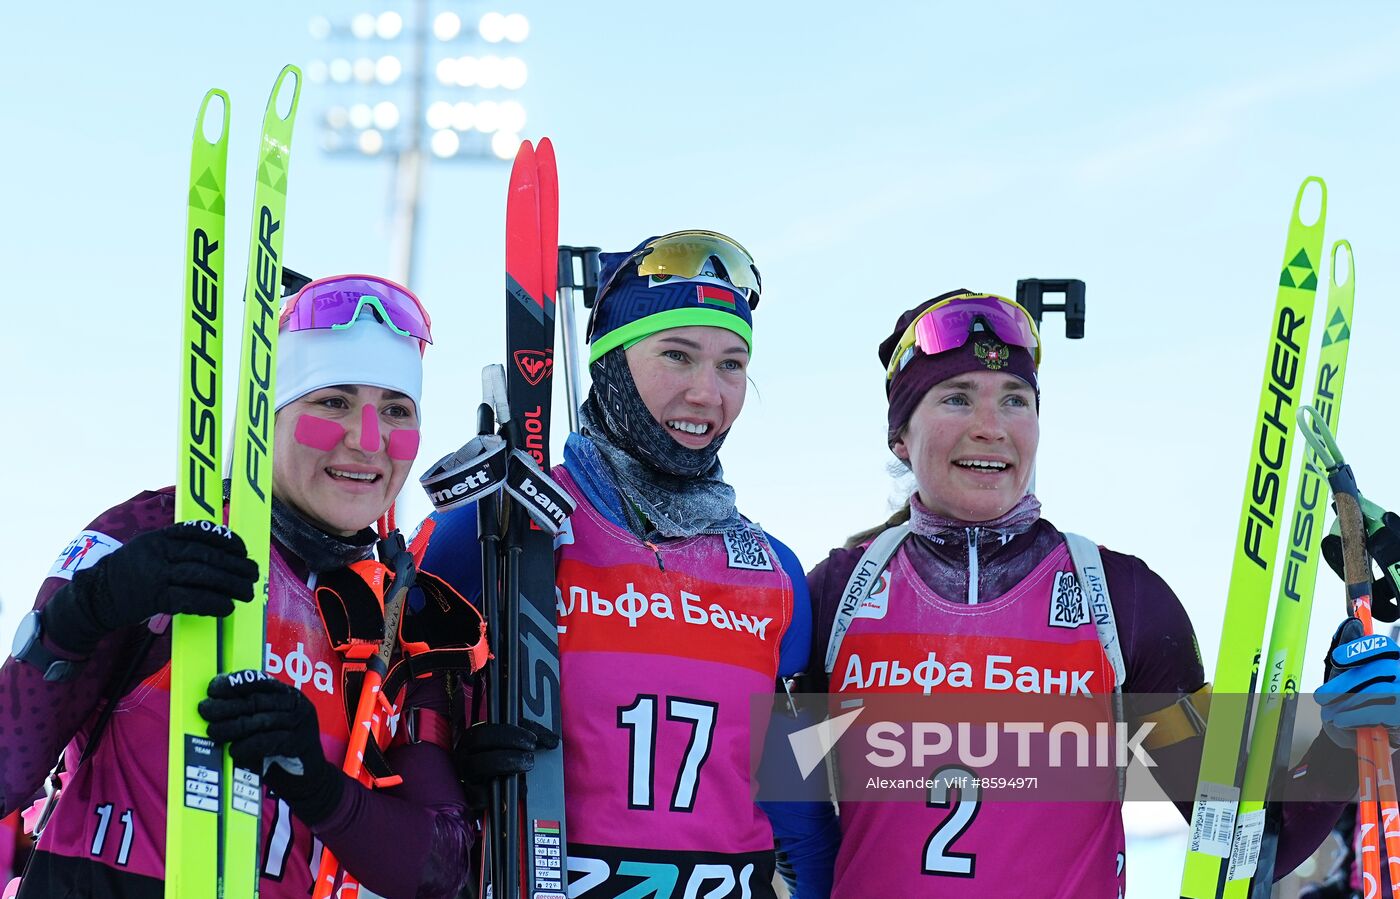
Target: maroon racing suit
[989,567]
[107,835]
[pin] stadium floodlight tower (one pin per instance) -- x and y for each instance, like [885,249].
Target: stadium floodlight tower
[420,85]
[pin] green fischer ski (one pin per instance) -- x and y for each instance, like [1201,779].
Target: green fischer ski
[1256,547]
[1270,746]
[194,769]
[250,503]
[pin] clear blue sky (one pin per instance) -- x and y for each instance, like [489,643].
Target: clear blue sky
[869,155]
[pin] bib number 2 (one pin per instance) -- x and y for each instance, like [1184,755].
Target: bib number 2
[939,859]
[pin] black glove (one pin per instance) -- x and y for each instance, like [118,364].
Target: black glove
[194,567]
[488,751]
[271,728]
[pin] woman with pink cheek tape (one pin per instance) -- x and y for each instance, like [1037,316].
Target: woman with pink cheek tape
[347,406]
[349,380]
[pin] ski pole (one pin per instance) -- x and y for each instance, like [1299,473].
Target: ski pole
[488,524]
[507,696]
[569,285]
[394,555]
[1378,799]
[1374,768]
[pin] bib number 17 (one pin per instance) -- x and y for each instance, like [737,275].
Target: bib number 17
[640,720]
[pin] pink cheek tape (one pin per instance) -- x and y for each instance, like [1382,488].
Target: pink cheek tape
[403,444]
[318,433]
[369,428]
[324,435]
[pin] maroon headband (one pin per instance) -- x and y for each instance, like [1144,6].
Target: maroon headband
[982,352]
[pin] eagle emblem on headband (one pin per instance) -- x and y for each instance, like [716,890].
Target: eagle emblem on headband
[993,355]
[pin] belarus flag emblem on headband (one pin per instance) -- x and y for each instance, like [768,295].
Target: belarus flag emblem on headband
[712,295]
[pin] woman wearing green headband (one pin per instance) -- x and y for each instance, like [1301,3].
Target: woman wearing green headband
[675,610]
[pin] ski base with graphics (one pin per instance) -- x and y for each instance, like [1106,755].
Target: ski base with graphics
[1215,806]
[213,808]
[1270,745]
[243,635]
[194,782]
[532,251]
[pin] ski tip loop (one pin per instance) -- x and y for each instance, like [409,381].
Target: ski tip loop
[278,89]
[1319,437]
[1339,247]
[1317,215]
[201,123]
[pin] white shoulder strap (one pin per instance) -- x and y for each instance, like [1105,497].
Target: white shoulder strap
[862,582]
[1088,567]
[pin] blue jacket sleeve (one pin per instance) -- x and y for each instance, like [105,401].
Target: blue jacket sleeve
[803,819]
[808,835]
[796,647]
[454,552]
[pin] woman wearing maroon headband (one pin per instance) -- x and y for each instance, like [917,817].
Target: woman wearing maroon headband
[349,378]
[968,591]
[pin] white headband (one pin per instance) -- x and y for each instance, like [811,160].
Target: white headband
[367,353]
